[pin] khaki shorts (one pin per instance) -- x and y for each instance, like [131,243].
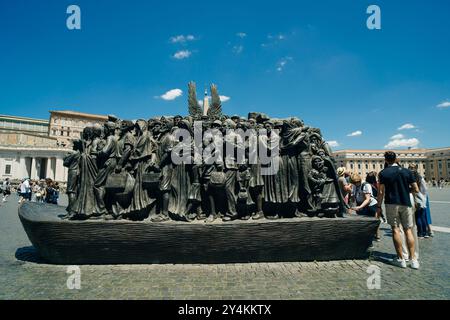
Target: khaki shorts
[397,214]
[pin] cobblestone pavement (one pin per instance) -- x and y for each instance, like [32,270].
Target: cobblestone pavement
[23,276]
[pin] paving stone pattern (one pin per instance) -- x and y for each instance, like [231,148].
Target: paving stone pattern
[24,276]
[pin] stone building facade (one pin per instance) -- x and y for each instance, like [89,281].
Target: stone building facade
[431,163]
[23,124]
[438,164]
[34,156]
[35,148]
[68,125]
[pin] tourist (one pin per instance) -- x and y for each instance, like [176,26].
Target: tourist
[42,190]
[18,190]
[362,195]
[25,190]
[420,205]
[6,189]
[50,192]
[37,192]
[395,185]
[430,232]
[344,186]
[29,190]
[56,194]
[371,178]
[423,217]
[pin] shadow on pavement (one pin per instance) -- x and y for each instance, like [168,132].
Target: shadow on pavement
[382,257]
[29,254]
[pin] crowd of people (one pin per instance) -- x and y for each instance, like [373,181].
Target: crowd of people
[46,191]
[440,183]
[407,204]
[361,195]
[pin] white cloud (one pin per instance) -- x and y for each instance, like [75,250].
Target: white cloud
[273,40]
[181,38]
[407,126]
[276,37]
[171,94]
[402,143]
[444,104]
[182,54]
[238,49]
[397,137]
[241,35]
[224,98]
[333,143]
[281,64]
[355,133]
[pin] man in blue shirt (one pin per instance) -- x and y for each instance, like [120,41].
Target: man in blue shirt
[396,184]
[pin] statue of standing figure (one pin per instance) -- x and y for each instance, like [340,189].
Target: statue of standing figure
[72,163]
[83,206]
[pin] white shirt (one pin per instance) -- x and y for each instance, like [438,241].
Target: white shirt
[25,186]
[359,192]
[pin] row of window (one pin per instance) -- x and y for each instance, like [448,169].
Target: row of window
[440,164]
[66,133]
[381,155]
[71,122]
[23,126]
[379,163]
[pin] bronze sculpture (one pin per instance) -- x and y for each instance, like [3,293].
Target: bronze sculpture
[126,170]
[147,186]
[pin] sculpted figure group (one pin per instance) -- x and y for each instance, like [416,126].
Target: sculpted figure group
[129,170]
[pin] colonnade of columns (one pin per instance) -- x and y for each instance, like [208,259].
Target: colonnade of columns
[37,168]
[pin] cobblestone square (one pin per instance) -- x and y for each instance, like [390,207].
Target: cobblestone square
[23,276]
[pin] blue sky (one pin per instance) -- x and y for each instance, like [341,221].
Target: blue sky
[313,59]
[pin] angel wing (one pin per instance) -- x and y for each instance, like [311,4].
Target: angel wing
[194,108]
[215,110]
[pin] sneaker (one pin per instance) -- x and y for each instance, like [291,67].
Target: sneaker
[399,263]
[431,234]
[415,264]
[426,236]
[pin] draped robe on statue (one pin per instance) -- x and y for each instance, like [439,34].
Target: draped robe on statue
[84,205]
[275,179]
[141,158]
[180,182]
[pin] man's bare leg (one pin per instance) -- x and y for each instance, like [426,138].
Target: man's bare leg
[396,237]
[410,242]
